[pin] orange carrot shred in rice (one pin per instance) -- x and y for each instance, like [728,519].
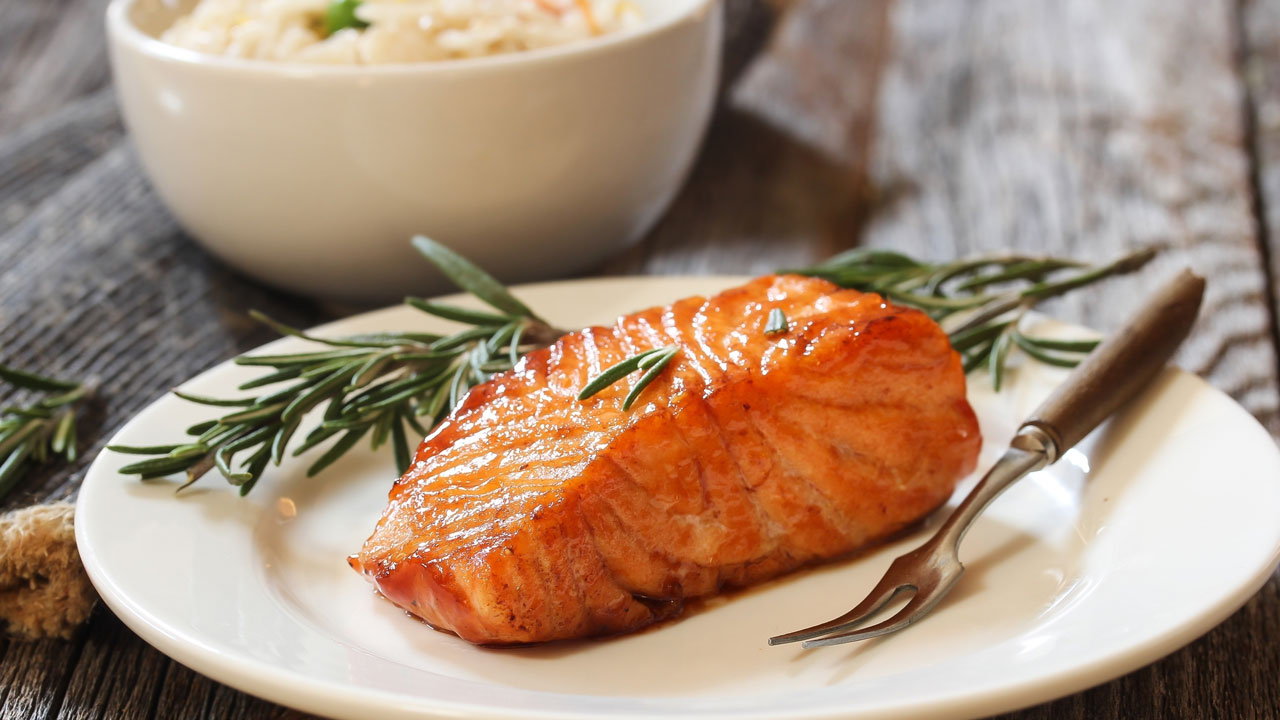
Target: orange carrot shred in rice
[585,7]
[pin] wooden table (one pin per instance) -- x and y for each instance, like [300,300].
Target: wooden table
[943,127]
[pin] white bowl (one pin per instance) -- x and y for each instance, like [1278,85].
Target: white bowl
[313,178]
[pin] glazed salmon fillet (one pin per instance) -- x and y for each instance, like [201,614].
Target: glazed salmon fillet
[529,515]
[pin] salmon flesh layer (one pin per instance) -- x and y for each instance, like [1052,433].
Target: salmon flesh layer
[529,515]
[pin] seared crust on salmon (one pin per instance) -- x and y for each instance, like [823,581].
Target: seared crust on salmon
[529,515]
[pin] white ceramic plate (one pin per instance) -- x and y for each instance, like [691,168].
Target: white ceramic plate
[1152,532]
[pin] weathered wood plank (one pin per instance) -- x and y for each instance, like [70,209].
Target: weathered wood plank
[38,159]
[33,675]
[119,297]
[184,693]
[51,53]
[1259,28]
[116,676]
[760,198]
[1085,128]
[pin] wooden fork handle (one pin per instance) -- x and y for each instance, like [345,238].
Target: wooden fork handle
[1119,368]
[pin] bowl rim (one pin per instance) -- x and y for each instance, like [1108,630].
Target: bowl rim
[121,29]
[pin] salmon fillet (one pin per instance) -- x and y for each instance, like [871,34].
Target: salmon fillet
[529,515]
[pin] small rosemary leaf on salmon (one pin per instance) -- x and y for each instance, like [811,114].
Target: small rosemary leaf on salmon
[531,515]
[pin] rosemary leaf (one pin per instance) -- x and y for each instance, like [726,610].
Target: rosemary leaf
[57,401]
[977,357]
[408,392]
[776,323]
[315,437]
[514,348]
[11,468]
[433,408]
[309,358]
[1078,346]
[615,373]
[357,341]
[162,465]
[502,337]
[371,369]
[17,438]
[1126,264]
[659,355]
[340,448]
[252,414]
[188,451]
[31,381]
[34,412]
[1039,353]
[463,339]
[349,423]
[381,429]
[997,357]
[458,385]
[287,373]
[313,395]
[655,369]
[199,428]
[457,314]
[471,278]
[253,468]
[222,460]
[38,432]
[932,302]
[143,449]
[412,420]
[214,402]
[966,339]
[1035,269]
[248,440]
[399,442]
[863,257]
[63,441]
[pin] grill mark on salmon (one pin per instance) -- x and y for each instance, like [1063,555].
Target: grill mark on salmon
[529,516]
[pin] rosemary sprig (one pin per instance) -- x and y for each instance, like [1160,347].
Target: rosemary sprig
[652,361]
[373,384]
[981,301]
[376,384]
[38,432]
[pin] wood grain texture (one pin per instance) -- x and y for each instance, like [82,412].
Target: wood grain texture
[1086,128]
[37,160]
[758,198]
[1259,35]
[51,53]
[114,276]
[1077,126]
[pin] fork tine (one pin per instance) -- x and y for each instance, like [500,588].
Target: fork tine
[884,591]
[916,608]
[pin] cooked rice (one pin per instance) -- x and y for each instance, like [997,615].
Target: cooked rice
[399,31]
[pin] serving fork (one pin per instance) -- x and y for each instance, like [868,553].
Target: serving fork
[1114,373]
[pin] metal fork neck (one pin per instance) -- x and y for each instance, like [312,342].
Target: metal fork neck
[1031,449]
[1032,437]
